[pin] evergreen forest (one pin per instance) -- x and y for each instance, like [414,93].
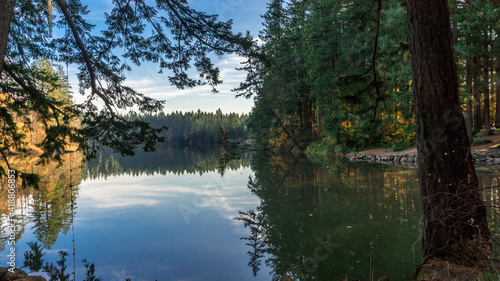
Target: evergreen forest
[336,75]
[196,128]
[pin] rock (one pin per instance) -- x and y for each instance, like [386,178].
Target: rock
[404,159]
[18,275]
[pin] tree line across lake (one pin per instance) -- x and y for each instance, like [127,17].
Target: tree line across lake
[195,128]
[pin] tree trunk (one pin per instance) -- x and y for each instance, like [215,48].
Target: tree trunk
[486,91]
[497,85]
[454,214]
[6,13]
[468,103]
[478,124]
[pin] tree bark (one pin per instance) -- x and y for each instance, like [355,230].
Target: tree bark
[478,123]
[454,213]
[497,70]
[468,103]
[486,91]
[497,94]
[6,14]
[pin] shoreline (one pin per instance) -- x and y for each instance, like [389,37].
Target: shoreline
[410,159]
[485,154]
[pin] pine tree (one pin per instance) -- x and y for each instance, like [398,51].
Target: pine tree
[454,214]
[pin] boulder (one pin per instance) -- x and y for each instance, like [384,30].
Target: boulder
[18,275]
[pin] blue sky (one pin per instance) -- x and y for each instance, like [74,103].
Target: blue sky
[246,15]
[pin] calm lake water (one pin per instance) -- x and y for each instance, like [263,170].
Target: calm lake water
[182,214]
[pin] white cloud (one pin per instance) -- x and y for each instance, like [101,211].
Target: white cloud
[148,81]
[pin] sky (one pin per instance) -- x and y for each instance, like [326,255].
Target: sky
[246,15]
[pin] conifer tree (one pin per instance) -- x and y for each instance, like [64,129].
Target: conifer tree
[454,214]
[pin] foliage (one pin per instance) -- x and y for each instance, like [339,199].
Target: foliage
[326,146]
[322,72]
[30,136]
[179,37]
[341,70]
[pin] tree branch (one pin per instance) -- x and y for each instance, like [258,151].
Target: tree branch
[31,90]
[86,56]
[472,5]
[191,31]
[5,159]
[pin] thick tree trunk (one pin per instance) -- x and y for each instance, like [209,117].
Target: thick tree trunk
[454,214]
[6,13]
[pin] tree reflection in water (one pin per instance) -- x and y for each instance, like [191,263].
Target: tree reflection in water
[167,159]
[322,221]
[315,220]
[49,206]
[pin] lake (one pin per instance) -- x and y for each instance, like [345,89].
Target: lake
[191,214]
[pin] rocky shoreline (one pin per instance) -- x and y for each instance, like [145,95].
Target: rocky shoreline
[480,158]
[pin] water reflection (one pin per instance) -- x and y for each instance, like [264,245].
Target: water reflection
[489,180]
[173,213]
[167,159]
[49,207]
[321,222]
